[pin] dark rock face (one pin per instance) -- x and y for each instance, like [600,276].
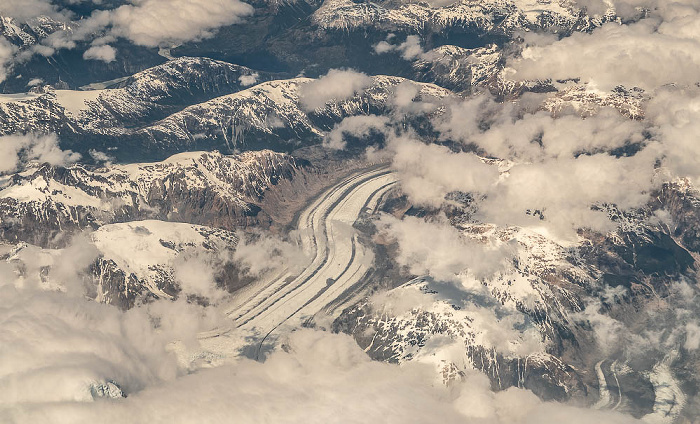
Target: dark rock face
[116,287]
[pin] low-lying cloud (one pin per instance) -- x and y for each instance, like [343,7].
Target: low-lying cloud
[429,172]
[7,52]
[24,10]
[409,49]
[157,22]
[441,251]
[565,191]
[105,53]
[262,252]
[320,376]
[357,126]
[16,151]
[336,85]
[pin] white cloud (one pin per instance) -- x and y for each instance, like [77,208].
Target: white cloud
[41,50]
[194,270]
[405,100]
[248,80]
[62,270]
[564,191]
[675,114]
[105,53]
[156,22]
[336,85]
[23,10]
[7,52]
[100,156]
[383,47]
[562,166]
[17,150]
[428,172]
[404,95]
[594,7]
[540,135]
[262,252]
[150,23]
[692,331]
[609,333]
[9,149]
[45,149]
[70,264]
[34,82]
[356,126]
[441,251]
[410,48]
[463,119]
[55,345]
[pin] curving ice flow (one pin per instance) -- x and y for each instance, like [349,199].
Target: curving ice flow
[269,308]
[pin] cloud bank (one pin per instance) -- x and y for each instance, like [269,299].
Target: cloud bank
[320,378]
[58,352]
[662,49]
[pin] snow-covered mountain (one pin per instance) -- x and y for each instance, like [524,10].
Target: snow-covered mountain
[142,98]
[138,261]
[124,122]
[587,101]
[156,259]
[437,324]
[196,147]
[271,113]
[200,187]
[30,32]
[494,17]
[459,69]
[540,302]
[157,92]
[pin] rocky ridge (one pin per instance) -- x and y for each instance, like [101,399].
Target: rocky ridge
[206,188]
